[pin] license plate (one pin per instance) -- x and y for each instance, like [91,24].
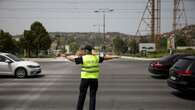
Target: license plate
[173,77]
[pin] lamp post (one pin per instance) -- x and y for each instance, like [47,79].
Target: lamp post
[104,11]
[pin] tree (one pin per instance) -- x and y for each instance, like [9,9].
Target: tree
[71,40]
[27,42]
[163,42]
[143,39]
[7,43]
[133,45]
[73,43]
[35,39]
[58,43]
[74,47]
[193,34]
[45,43]
[119,45]
[180,39]
[42,40]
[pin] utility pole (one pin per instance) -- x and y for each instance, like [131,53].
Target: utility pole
[104,11]
[158,22]
[104,24]
[179,15]
[150,23]
[174,14]
[153,20]
[179,21]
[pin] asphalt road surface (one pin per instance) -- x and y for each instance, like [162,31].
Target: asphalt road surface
[124,85]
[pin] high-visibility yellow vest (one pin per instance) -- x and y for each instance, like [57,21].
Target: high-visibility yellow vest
[90,67]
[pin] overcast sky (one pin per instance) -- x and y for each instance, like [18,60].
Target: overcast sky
[78,15]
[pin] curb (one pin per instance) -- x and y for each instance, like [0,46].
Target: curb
[138,58]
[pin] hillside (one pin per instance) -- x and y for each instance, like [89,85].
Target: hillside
[83,38]
[97,39]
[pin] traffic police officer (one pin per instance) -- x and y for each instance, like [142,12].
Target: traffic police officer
[89,76]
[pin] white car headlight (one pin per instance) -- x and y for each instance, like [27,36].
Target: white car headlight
[32,66]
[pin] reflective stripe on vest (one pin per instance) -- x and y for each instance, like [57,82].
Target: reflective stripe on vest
[90,67]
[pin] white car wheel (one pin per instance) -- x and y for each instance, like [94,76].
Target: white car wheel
[20,73]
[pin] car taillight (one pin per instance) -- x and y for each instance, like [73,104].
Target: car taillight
[184,72]
[158,65]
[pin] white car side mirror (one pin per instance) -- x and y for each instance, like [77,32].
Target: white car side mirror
[8,61]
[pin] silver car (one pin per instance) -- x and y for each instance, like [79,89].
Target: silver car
[10,64]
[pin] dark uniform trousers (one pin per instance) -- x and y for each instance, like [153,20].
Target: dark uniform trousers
[93,85]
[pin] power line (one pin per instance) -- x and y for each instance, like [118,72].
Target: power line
[77,9]
[86,1]
[66,9]
[20,8]
[95,18]
[78,2]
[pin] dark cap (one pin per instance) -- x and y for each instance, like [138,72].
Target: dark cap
[88,48]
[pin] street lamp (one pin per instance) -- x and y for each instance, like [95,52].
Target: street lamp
[104,11]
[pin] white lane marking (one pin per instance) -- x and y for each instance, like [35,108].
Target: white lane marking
[25,100]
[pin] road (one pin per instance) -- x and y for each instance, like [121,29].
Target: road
[123,85]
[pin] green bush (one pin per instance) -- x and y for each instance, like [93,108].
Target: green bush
[157,54]
[187,51]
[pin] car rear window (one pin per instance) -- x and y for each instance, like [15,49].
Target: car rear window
[182,64]
[167,57]
[193,67]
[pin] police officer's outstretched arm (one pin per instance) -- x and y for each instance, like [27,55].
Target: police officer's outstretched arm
[110,57]
[77,57]
[71,58]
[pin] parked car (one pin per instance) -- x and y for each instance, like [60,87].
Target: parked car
[160,68]
[12,65]
[182,74]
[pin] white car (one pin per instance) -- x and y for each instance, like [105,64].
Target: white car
[10,64]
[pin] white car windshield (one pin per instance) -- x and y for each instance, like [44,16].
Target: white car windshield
[13,57]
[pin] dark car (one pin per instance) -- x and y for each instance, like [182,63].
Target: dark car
[182,74]
[160,68]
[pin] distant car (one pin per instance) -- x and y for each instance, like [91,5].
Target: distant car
[182,74]
[12,65]
[160,68]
